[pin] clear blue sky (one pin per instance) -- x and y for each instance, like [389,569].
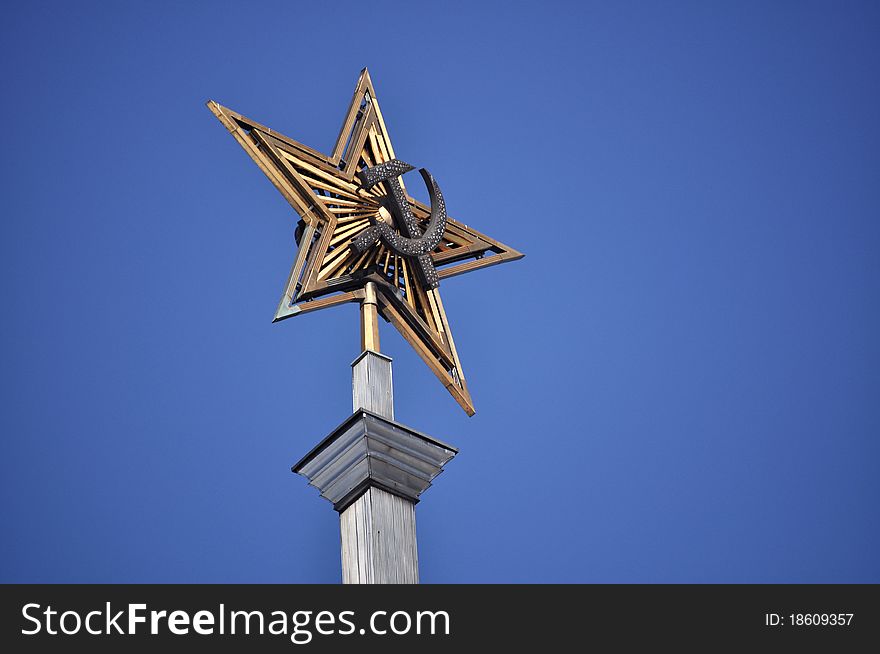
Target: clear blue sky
[679,383]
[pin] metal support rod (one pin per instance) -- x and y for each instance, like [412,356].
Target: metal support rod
[369,320]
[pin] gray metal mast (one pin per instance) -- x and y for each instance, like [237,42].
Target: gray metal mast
[373,470]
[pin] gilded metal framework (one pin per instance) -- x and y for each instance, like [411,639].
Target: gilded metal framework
[346,203]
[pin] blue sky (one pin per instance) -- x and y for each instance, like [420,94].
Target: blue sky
[679,383]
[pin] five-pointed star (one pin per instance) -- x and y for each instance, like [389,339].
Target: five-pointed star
[334,208]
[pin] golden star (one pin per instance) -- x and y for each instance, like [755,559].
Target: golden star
[337,203]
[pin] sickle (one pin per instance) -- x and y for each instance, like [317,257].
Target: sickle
[418,245]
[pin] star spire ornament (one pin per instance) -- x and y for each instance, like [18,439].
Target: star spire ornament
[361,238]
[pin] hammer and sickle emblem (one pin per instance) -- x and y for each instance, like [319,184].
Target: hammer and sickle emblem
[415,245]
